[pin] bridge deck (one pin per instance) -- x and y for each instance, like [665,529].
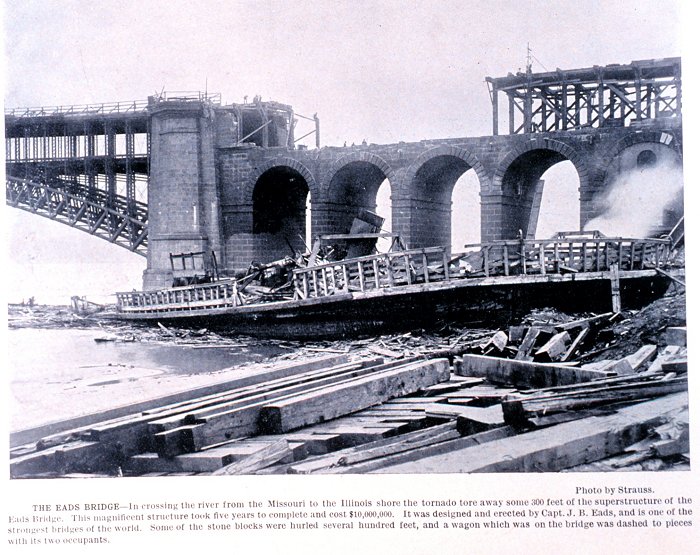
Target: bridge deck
[499,263]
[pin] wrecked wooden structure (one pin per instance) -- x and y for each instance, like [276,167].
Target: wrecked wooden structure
[497,280]
[506,403]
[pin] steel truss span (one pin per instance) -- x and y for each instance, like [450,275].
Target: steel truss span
[117,219]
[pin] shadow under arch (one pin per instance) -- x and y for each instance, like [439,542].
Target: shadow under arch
[351,186]
[517,182]
[279,198]
[427,193]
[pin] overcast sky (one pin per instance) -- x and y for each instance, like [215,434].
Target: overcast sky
[384,71]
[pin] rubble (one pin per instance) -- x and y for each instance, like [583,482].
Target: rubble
[557,392]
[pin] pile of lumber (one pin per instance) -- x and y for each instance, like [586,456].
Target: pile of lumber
[482,427]
[279,400]
[546,341]
[527,409]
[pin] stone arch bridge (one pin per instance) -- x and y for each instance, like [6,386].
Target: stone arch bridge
[229,180]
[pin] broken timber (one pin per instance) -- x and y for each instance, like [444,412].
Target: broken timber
[522,373]
[517,410]
[557,447]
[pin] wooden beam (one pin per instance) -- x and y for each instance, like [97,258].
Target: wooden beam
[528,343]
[555,348]
[521,373]
[641,357]
[519,409]
[243,418]
[374,450]
[335,401]
[243,379]
[268,455]
[557,447]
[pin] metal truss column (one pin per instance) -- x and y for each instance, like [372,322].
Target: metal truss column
[129,166]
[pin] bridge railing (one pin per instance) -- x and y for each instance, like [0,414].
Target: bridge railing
[419,267]
[123,107]
[373,272]
[563,255]
[219,294]
[499,258]
[106,108]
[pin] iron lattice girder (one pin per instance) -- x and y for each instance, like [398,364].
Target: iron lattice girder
[591,97]
[125,224]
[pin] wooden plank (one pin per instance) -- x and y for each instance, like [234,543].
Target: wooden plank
[74,456]
[470,420]
[554,348]
[351,435]
[159,403]
[520,409]
[243,419]
[499,340]
[641,357]
[679,366]
[528,343]
[575,344]
[306,409]
[200,408]
[557,447]
[316,443]
[615,287]
[204,461]
[376,449]
[416,455]
[521,373]
[169,443]
[267,456]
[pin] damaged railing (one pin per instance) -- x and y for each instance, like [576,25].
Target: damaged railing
[419,267]
[219,294]
[554,256]
[499,258]
[372,272]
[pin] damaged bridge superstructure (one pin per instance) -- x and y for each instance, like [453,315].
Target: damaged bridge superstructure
[184,173]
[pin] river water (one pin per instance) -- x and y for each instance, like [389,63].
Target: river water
[61,373]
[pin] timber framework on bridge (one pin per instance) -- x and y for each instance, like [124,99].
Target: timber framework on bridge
[186,173]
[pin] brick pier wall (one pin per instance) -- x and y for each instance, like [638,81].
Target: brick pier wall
[195,164]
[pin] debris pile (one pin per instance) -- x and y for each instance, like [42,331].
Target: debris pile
[530,398]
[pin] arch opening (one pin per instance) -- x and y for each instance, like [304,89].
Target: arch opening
[353,188]
[466,211]
[541,195]
[560,206]
[280,201]
[432,191]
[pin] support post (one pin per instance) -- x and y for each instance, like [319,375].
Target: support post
[615,288]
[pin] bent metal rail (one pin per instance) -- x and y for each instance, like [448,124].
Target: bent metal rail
[534,258]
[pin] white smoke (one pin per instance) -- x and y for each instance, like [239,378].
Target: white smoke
[637,200]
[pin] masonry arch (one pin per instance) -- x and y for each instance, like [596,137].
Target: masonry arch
[434,181]
[530,174]
[280,198]
[351,186]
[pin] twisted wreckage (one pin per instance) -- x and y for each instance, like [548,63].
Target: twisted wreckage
[598,393]
[340,289]
[550,394]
